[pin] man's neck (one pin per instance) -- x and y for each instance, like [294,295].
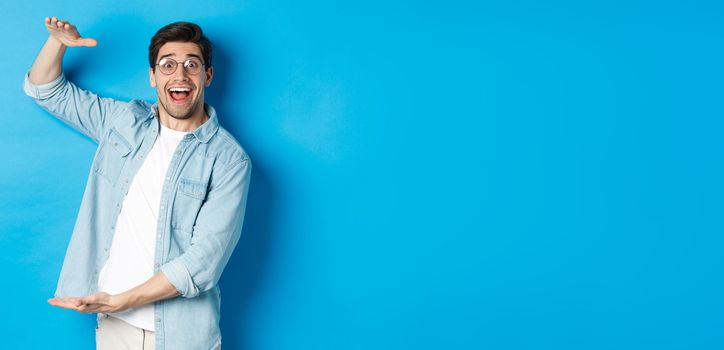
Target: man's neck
[186,125]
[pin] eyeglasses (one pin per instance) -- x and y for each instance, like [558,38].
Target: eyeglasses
[191,66]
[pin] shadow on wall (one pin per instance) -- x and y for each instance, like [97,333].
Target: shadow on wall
[245,271]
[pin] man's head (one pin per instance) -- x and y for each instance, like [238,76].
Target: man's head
[180,68]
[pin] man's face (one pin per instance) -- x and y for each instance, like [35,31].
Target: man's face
[187,96]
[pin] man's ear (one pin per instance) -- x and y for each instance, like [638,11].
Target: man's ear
[209,76]
[152,77]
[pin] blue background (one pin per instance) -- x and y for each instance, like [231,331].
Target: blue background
[457,175]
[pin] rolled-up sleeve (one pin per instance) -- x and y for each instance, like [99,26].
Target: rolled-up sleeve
[43,91]
[215,234]
[83,110]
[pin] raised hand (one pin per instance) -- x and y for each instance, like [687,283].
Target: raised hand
[66,33]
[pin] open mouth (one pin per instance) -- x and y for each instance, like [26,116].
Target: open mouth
[179,94]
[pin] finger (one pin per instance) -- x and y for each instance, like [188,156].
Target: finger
[69,29]
[51,24]
[63,24]
[63,303]
[88,42]
[91,299]
[70,301]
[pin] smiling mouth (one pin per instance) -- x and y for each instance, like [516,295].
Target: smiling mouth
[179,95]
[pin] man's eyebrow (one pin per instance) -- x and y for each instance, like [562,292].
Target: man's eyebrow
[174,54]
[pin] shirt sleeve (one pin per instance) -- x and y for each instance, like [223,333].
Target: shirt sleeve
[215,234]
[82,110]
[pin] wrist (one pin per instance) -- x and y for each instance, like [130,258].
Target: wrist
[122,301]
[54,41]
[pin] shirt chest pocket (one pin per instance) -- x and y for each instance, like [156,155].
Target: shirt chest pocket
[112,157]
[189,197]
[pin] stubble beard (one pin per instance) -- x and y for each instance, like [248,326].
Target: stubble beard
[182,114]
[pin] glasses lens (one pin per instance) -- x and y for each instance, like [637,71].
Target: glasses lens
[192,66]
[167,66]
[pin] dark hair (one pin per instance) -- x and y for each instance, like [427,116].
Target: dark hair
[180,32]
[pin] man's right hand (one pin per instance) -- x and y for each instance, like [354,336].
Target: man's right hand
[66,33]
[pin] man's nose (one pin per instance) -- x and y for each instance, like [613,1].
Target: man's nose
[180,73]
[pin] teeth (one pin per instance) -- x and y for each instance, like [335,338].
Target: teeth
[179,89]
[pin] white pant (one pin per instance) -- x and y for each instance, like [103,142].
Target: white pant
[116,334]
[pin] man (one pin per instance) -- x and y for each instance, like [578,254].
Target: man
[165,199]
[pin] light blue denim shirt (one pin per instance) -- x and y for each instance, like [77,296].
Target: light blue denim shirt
[201,213]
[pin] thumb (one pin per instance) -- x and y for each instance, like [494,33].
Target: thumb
[87,42]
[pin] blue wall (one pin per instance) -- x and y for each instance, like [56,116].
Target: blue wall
[461,175]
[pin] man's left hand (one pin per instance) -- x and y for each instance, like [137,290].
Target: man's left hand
[94,303]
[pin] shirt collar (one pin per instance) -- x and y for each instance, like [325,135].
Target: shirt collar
[204,132]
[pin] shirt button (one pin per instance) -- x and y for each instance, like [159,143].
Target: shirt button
[159,236]
[162,207]
[168,178]
[106,250]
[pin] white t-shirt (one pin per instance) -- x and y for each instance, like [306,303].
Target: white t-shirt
[130,262]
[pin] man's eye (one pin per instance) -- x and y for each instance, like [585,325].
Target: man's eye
[167,65]
[192,64]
